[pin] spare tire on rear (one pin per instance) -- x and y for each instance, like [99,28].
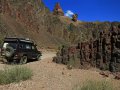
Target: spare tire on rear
[9,51]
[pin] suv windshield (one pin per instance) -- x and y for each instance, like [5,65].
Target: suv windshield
[11,44]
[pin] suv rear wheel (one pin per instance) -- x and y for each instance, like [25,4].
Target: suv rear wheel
[23,60]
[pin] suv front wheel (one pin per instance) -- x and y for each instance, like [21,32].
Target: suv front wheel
[38,57]
[23,60]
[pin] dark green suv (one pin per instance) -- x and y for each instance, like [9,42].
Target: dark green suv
[19,50]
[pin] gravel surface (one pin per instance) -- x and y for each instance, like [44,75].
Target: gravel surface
[52,76]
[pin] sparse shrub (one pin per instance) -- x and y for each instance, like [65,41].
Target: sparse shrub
[74,58]
[95,85]
[15,74]
[71,63]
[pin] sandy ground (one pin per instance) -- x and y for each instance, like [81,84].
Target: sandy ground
[52,76]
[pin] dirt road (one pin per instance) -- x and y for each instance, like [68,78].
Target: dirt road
[52,76]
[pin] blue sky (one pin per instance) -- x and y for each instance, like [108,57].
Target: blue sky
[89,10]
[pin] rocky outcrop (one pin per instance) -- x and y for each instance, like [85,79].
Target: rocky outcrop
[75,17]
[102,52]
[0,6]
[25,18]
[58,10]
[5,7]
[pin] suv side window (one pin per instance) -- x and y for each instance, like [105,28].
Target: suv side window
[34,47]
[25,46]
[28,46]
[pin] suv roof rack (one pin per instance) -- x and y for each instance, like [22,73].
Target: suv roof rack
[17,38]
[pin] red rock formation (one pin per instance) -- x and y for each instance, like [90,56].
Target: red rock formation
[0,6]
[117,76]
[74,17]
[58,10]
[103,53]
[6,7]
[18,15]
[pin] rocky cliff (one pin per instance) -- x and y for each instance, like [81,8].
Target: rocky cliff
[31,18]
[26,18]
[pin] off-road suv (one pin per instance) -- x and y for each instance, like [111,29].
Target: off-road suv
[19,50]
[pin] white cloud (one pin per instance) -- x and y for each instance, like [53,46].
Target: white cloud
[69,13]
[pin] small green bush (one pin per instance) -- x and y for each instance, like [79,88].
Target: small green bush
[15,74]
[95,85]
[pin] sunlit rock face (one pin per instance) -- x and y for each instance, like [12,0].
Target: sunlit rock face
[75,17]
[58,10]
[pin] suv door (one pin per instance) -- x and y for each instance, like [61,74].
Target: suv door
[34,52]
[31,50]
[25,48]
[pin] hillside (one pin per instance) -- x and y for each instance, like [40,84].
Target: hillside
[31,18]
[26,18]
